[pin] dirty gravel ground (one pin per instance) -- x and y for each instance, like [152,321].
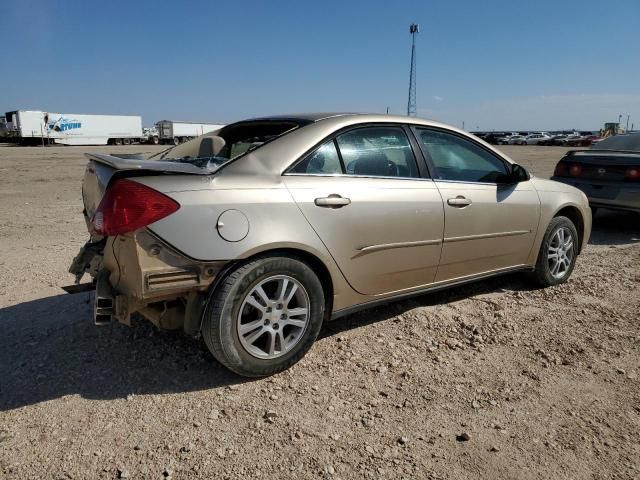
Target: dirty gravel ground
[544,384]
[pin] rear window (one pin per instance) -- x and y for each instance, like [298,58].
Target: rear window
[215,149]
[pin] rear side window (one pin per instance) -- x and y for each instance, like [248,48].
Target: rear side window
[367,151]
[456,158]
[323,161]
[377,152]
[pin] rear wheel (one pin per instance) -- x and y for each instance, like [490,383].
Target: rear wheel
[126,141]
[264,316]
[557,256]
[117,141]
[176,141]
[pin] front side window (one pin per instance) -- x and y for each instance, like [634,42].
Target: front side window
[377,152]
[456,158]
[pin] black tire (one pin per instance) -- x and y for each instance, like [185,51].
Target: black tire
[176,141]
[117,141]
[542,274]
[219,326]
[154,140]
[126,141]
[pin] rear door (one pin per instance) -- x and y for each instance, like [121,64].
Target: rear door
[489,225]
[369,199]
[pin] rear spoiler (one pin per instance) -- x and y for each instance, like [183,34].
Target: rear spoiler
[621,153]
[136,163]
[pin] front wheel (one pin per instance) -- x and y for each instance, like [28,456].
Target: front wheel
[264,316]
[557,256]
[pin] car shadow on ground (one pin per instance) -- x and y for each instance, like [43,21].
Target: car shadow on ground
[615,227]
[514,282]
[50,348]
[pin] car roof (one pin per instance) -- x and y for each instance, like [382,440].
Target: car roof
[628,142]
[298,117]
[306,118]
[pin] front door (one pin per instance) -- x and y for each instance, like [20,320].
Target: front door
[380,220]
[489,224]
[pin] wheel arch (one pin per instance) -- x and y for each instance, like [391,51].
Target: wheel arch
[566,209]
[313,261]
[574,214]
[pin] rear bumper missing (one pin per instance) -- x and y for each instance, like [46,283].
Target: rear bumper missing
[139,273]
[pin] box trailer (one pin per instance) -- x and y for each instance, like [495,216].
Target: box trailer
[36,126]
[173,132]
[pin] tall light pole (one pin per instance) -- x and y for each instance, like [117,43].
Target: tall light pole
[411,103]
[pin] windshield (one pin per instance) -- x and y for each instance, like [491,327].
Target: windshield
[214,149]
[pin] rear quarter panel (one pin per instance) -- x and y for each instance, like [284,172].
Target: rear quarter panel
[275,221]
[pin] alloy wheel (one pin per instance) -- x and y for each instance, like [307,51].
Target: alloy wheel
[273,317]
[560,253]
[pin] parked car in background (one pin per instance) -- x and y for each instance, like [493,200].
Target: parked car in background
[504,139]
[553,140]
[516,140]
[609,178]
[256,234]
[482,135]
[589,139]
[495,138]
[535,139]
[580,139]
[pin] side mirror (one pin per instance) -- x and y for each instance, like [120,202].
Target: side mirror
[519,173]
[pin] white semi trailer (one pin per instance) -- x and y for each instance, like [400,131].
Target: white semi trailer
[36,126]
[179,132]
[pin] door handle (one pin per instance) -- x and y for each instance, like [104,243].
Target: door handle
[459,201]
[332,201]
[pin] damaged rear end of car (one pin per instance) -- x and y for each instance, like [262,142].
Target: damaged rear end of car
[133,270]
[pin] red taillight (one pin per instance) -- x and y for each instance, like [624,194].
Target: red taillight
[562,170]
[632,173]
[128,206]
[575,170]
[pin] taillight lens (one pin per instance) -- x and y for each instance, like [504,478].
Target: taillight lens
[128,206]
[632,173]
[575,170]
[562,170]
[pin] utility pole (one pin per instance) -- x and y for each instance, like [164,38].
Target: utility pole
[627,127]
[411,103]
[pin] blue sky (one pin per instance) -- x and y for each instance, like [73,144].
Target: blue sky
[493,64]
